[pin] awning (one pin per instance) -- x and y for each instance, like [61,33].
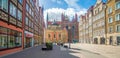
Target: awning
[28,34]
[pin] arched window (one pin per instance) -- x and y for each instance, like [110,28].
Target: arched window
[54,36]
[49,35]
[59,35]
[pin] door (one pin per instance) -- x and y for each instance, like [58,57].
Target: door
[110,41]
[95,40]
[102,40]
[3,41]
[118,40]
[27,42]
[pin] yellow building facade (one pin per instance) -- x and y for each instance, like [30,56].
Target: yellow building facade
[54,33]
[113,22]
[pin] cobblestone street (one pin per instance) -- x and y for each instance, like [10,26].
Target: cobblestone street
[36,52]
[57,52]
[108,51]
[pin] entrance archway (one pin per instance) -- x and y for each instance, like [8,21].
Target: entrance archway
[102,40]
[111,40]
[118,40]
[95,40]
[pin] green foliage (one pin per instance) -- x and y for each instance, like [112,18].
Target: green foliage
[49,45]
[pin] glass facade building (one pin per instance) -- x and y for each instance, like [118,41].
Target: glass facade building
[16,17]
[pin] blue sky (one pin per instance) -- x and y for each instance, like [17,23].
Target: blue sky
[55,7]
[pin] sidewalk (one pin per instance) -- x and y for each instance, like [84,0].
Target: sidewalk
[105,50]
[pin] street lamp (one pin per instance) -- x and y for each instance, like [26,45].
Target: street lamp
[69,35]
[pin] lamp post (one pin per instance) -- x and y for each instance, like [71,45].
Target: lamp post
[44,40]
[69,32]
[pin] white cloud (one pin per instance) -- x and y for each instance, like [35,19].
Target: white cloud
[55,13]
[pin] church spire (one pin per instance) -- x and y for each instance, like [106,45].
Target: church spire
[47,17]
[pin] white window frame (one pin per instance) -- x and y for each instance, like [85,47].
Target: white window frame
[116,27]
[116,5]
[109,10]
[109,29]
[4,5]
[26,20]
[19,15]
[27,7]
[20,1]
[13,10]
[109,20]
[116,17]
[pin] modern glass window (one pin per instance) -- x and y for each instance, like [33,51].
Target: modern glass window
[4,5]
[20,1]
[117,17]
[3,41]
[109,10]
[32,14]
[27,7]
[29,23]
[9,38]
[11,41]
[30,11]
[3,38]
[19,15]
[18,38]
[0,4]
[118,5]
[118,28]
[13,10]
[110,20]
[31,1]
[26,21]
[32,25]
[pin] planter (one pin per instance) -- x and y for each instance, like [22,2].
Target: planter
[47,46]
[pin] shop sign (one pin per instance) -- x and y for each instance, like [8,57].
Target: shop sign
[28,34]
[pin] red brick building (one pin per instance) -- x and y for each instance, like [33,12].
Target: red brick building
[21,25]
[71,26]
